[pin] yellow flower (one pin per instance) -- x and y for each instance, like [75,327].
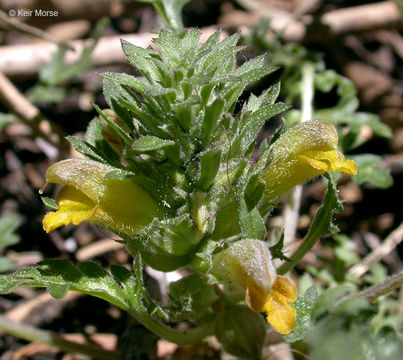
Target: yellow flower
[247,263]
[303,152]
[119,205]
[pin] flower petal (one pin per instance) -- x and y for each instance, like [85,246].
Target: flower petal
[330,161]
[303,152]
[73,207]
[280,314]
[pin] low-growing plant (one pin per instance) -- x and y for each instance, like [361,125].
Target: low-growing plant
[168,167]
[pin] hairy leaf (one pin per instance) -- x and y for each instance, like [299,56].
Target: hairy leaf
[304,306]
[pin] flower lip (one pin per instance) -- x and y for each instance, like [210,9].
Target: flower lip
[73,207]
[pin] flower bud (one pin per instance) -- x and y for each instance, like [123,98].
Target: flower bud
[120,205]
[303,152]
[109,133]
[247,264]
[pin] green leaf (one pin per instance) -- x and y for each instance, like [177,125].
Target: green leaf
[50,203]
[252,124]
[94,137]
[205,94]
[268,97]
[86,149]
[125,79]
[369,171]
[58,71]
[346,250]
[47,94]
[321,225]
[344,113]
[251,222]
[255,69]
[211,117]
[141,60]
[150,143]
[209,164]
[249,72]
[345,333]
[219,54]
[277,249]
[254,191]
[8,225]
[166,244]
[170,11]
[241,331]
[327,300]
[60,276]
[114,125]
[304,306]
[190,297]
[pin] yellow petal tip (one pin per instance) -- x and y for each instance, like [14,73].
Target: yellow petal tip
[280,314]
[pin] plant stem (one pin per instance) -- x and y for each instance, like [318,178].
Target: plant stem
[188,337]
[319,226]
[30,333]
[384,287]
[291,210]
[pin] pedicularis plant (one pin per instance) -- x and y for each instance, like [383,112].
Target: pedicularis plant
[168,168]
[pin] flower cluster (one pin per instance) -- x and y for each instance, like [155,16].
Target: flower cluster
[169,168]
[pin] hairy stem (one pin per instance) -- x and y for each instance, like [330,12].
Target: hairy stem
[179,337]
[319,227]
[384,287]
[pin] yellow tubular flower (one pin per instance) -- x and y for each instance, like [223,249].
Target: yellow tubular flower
[119,205]
[303,152]
[247,263]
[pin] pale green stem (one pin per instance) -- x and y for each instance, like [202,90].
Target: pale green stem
[30,333]
[188,337]
[291,210]
[305,247]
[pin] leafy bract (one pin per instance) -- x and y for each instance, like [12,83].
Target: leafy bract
[304,306]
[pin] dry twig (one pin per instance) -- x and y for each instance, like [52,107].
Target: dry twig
[24,59]
[48,337]
[16,102]
[98,248]
[390,243]
[31,30]
[334,23]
